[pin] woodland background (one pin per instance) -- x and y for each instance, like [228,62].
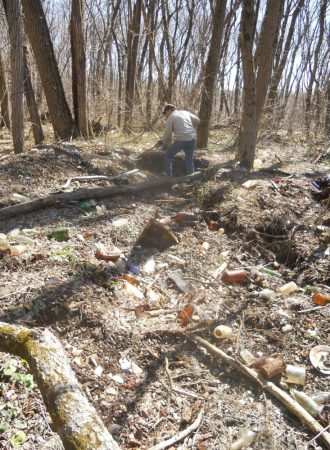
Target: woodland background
[261,66]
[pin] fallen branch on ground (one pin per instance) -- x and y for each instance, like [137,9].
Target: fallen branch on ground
[99,177]
[76,421]
[178,437]
[84,194]
[270,387]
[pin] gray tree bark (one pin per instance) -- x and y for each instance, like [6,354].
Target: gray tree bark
[4,97]
[39,37]
[13,14]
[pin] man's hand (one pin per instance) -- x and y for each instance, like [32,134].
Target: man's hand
[159,144]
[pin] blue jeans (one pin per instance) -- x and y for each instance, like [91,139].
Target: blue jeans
[188,147]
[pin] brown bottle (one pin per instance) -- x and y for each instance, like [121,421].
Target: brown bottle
[321,299]
[130,279]
[183,217]
[213,226]
[231,276]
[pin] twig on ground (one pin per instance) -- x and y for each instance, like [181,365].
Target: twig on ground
[99,177]
[270,387]
[239,334]
[179,436]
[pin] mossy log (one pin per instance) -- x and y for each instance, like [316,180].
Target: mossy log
[75,419]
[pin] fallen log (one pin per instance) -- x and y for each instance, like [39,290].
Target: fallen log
[270,387]
[75,419]
[84,194]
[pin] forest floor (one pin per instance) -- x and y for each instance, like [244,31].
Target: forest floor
[118,351]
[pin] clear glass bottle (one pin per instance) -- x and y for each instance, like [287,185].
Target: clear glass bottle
[247,356]
[18,198]
[245,438]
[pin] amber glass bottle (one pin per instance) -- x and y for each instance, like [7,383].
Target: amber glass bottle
[231,276]
[184,217]
[321,299]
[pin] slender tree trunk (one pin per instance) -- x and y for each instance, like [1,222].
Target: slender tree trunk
[31,102]
[132,53]
[266,50]
[327,112]
[4,97]
[13,14]
[308,111]
[211,70]
[248,134]
[39,37]
[79,80]
[237,83]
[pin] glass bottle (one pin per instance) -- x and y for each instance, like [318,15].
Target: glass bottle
[321,299]
[231,276]
[287,288]
[20,198]
[244,439]
[182,217]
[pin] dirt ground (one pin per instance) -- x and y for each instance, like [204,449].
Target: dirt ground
[118,352]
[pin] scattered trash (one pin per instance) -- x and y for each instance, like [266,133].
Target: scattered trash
[110,253]
[250,184]
[257,164]
[306,402]
[24,239]
[176,260]
[130,279]
[124,363]
[270,272]
[139,310]
[269,366]
[136,370]
[205,246]
[185,315]
[149,267]
[156,235]
[222,332]
[287,288]
[153,298]
[132,290]
[320,358]
[321,299]
[61,234]
[118,223]
[180,283]
[245,438]
[295,374]
[85,206]
[16,250]
[213,226]
[14,233]
[18,198]
[287,328]
[232,276]
[134,269]
[247,357]
[267,294]
[184,217]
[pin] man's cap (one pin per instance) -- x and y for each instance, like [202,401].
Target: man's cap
[167,108]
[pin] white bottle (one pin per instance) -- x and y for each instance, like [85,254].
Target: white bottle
[245,439]
[18,198]
[267,294]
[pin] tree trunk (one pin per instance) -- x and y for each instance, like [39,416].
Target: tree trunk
[312,75]
[31,102]
[265,52]
[132,54]
[39,37]
[211,70]
[79,80]
[248,133]
[13,14]
[4,98]
[76,421]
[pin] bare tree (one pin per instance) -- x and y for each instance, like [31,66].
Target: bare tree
[39,37]
[13,14]
[4,97]
[79,80]
[211,70]
[132,54]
